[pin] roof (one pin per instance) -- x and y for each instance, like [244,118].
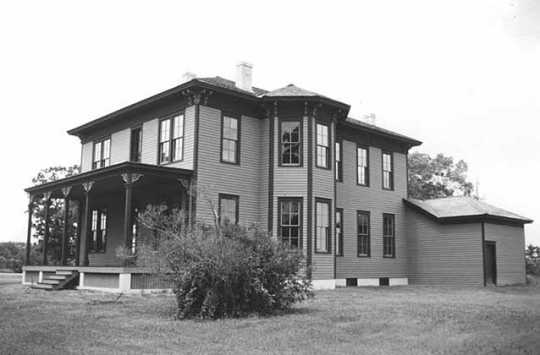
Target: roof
[292,90]
[379,130]
[451,209]
[230,85]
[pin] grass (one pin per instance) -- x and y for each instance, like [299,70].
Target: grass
[400,320]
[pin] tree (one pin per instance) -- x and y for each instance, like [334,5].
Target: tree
[437,177]
[56,212]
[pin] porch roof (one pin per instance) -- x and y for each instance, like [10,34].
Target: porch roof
[111,175]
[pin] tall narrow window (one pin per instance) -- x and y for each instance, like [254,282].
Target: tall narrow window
[388,175]
[339,232]
[339,163]
[171,139]
[322,225]
[102,154]
[362,160]
[229,140]
[322,146]
[290,221]
[389,237]
[290,143]
[136,146]
[363,233]
[228,208]
[98,231]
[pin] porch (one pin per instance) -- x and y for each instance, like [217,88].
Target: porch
[107,202]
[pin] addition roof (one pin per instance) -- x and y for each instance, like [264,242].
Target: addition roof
[355,123]
[454,209]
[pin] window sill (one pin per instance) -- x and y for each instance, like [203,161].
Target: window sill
[363,256]
[323,252]
[389,256]
[170,162]
[229,162]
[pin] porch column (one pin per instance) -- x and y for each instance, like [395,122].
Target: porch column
[129,180]
[79,232]
[87,186]
[47,198]
[65,192]
[29,231]
[186,199]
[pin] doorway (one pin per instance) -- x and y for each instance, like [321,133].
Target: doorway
[490,263]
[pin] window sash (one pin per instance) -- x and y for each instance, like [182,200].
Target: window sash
[290,142]
[339,165]
[363,233]
[290,222]
[322,145]
[171,139]
[388,176]
[102,154]
[362,171]
[322,231]
[389,235]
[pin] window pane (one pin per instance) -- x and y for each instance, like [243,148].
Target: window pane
[164,152]
[178,126]
[230,128]
[322,135]
[165,130]
[322,214]
[106,149]
[178,149]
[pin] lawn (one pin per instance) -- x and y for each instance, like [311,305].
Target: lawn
[400,320]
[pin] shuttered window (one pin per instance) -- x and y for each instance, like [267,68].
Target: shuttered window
[388,174]
[230,134]
[389,237]
[362,169]
[363,233]
[322,226]
[290,221]
[322,146]
[102,154]
[290,144]
[171,139]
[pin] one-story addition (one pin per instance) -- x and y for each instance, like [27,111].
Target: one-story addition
[290,160]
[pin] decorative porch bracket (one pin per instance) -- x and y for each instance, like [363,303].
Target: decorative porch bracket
[129,180]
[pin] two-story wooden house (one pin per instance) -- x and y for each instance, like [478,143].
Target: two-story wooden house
[290,160]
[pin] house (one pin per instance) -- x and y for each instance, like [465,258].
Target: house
[290,160]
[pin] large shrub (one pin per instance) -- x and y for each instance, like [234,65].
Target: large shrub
[222,270]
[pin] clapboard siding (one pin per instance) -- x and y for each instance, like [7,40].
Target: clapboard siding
[323,187]
[189,129]
[150,141]
[263,167]
[377,201]
[510,250]
[215,177]
[86,156]
[444,254]
[120,146]
[291,181]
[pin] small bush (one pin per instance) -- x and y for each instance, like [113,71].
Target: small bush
[223,271]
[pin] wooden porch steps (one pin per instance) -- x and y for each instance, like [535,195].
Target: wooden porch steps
[62,279]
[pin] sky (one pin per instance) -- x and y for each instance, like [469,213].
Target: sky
[461,76]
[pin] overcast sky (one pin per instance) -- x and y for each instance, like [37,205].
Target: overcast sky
[461,76]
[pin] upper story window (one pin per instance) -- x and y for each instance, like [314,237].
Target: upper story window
[136,145]
[290,221]
[230,133]
[322,145]
[387,169]
[339,162]
[362,169]
[228,208]
[363,233]
[339,232]
[322,225]
[98,231]
[290,144]
[102,154]
[171,139]
[389,236]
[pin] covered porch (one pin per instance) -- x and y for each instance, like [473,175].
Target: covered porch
[108,200]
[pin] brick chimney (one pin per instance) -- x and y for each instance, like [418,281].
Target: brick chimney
[188,76]
[243,76]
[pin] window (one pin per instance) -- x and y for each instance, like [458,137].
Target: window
[388,175]
[290,221]
[228,208]
[134,231]
[229,140]
[339,232]
[362,161]
[363,233]
[322,225]
[339,163]
[136,146]
[102,154]
[98,231]
[290,143]
[389,237]
[322,146]
[171,139]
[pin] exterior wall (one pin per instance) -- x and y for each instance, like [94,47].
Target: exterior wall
[215,177]
[291,181]
[323,187]
[86,156]
[444,254]
[510,252]
[352,197]
[149,151]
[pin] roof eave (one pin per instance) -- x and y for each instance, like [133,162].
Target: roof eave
[321,99]
[410,141]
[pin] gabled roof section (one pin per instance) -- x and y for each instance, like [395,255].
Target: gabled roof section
[293,92]
[352,122]
[455,209]
[231,85]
